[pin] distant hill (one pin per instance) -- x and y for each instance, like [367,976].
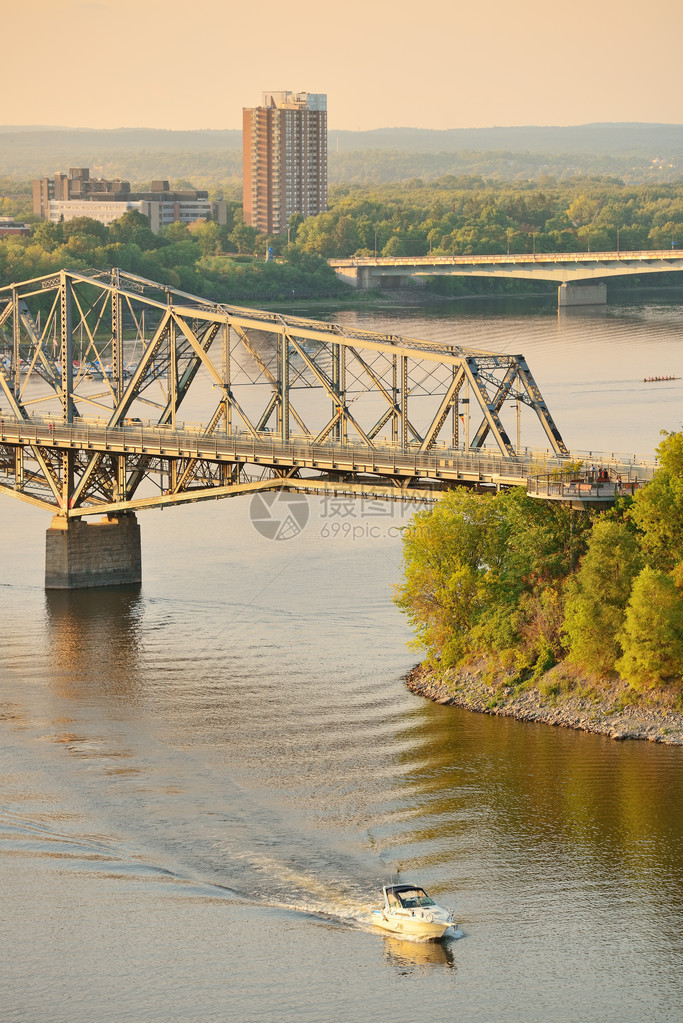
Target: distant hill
[135,153]
[584,138]
[635,152]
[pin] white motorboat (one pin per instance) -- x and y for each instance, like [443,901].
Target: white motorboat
[409,910]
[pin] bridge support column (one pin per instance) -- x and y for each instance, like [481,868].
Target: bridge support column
[581,294]
[79,554]
[365,281]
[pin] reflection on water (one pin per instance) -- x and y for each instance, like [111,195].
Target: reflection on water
[587,312]
[94,637]
[406,956]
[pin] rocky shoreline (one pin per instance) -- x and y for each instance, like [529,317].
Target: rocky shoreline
[561,700]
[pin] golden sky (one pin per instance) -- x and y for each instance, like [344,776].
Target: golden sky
[442,64]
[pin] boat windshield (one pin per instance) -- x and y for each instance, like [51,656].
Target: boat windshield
[414,898]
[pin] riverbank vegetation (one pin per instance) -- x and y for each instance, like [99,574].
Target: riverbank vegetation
[203,258]
[529,585]
[452,215]
[470,215]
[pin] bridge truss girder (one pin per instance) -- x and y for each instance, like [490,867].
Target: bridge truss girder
[113,348]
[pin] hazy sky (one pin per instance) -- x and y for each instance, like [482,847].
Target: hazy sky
[437,64]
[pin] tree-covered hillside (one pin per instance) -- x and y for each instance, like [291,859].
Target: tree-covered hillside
[636,153]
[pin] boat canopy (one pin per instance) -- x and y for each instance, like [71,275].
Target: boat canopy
[407,895]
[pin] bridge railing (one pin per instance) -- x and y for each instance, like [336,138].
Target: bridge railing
[186,428]
[521,257]
[299,451]
[264,448]
[593,486]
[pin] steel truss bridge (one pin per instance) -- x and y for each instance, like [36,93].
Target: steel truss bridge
[96,367]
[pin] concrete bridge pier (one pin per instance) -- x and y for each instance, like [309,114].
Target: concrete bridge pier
[359,277]
[569,295]
[79,554]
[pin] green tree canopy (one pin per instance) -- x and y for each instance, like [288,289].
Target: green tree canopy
[597,596]
[243,237]
[451,555]
[652,636]
[658,508]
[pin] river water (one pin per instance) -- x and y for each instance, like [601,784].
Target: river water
[206,781]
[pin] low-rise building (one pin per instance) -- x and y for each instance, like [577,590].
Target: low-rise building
[9,227]
[66,197]
[102,210]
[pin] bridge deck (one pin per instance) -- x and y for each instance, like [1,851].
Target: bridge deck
[496,259]
[561,267]
[316,466]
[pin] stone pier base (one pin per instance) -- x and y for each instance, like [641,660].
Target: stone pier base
[581,294]
[79,554]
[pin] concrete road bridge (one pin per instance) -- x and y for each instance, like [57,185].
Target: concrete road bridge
[97,368]
[577,273]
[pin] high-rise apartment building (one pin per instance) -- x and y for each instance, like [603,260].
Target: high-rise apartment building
[284,148]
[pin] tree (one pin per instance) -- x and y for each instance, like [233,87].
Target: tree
[346,238]
[583,210]
[450,558]
[176,232]
[295,222]
[652,637]
[183,253]
[48,235]
[208,234]
[124,228]
[394,247]
[539,546]
[597,596]
[657,509]
[85,226]
[243,237]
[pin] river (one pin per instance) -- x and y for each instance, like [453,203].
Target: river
[206,781]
